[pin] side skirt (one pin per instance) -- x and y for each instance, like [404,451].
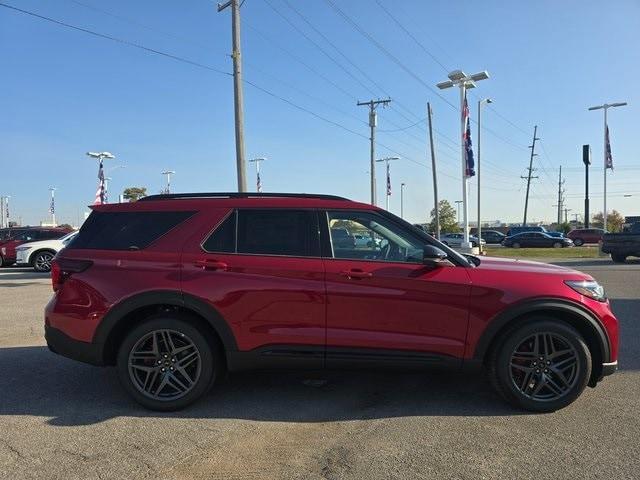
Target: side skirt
[316,357]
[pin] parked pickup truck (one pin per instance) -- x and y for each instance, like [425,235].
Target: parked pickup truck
[622,245]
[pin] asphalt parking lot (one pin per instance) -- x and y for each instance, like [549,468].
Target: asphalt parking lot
[62,419]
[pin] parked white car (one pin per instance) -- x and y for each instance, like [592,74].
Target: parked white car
[455,240]
[40,254]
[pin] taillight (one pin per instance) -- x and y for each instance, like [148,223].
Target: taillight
[63,268]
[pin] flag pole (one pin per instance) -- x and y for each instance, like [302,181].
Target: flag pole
[604,213]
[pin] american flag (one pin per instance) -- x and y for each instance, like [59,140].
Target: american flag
[52,206]
[101,193]
[258,182]
[388,180]
[608,158]
[469,170]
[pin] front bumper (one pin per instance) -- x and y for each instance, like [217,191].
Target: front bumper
[22,257]
[62,344]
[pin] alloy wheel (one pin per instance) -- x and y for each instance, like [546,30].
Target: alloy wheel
[544,366]
[42,262]
[164,365]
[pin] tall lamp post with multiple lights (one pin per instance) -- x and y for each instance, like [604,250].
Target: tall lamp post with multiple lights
[168,174]
[386,161]
[606,107]
[479,233]
[257,161]
[458,78]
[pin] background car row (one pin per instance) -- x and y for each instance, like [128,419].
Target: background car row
[12,238]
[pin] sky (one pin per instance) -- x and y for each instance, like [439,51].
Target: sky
[306,64]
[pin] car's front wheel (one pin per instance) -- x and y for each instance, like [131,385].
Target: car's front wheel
[557,245]
[578,242]
[618,258]
[542,365]
[167,363]
[42,261]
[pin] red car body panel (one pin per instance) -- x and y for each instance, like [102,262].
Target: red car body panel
[322,302]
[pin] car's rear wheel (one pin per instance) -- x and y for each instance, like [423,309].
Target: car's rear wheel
[557,245]
[578,242]
[541,366]
[618,258]
[167,363]
[2,264]
[42,261]
[515,245]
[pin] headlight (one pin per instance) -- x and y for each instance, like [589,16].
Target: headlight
[22,249]
[588,288]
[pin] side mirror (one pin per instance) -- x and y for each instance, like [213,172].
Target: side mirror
[433,256]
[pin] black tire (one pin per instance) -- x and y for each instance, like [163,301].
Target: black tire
[578,242]
[557,245]
[183,330]
[617,258]
[504,376]
[515,245]
[2,264]
[41,261]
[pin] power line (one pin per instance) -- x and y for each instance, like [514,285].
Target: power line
[116,39]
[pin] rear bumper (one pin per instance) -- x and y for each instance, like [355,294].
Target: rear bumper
[62,344]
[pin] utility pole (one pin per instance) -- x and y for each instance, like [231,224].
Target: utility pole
[560,196]
[373,122]
[433,169]
[237,91]
[529,177]
[566,212]
[402,185]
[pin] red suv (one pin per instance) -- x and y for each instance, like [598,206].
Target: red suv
[176,290]
[580,236]
[11,238]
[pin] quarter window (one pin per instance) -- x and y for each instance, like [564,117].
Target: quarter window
[223,239]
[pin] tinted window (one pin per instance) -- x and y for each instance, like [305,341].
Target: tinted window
[223,238]
[278,232]
[125,230]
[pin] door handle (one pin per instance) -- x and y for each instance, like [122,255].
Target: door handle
[211,265]
[356,274]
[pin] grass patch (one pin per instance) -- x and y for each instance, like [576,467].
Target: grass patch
[571,252]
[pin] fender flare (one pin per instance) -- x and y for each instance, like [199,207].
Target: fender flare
[164,297]
[538,305]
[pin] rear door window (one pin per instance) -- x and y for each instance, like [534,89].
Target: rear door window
[125,230]
[278,232]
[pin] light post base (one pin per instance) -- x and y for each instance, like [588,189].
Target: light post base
[469,249]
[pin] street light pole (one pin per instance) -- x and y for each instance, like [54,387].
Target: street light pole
[606,107]
[258,179]
[168,174]
[402,185]
[52,207]
[463,81]
[479,233]
[386,160]
[458,202]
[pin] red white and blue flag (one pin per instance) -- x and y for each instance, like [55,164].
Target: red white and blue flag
[388,180]
[258,182]
[469,169]
[52,206]
[101,193]
[608,158]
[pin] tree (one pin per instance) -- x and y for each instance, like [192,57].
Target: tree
[615,221]
[564,227]
[448,221]
[133,194]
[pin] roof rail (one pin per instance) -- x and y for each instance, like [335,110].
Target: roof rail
[174,196]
